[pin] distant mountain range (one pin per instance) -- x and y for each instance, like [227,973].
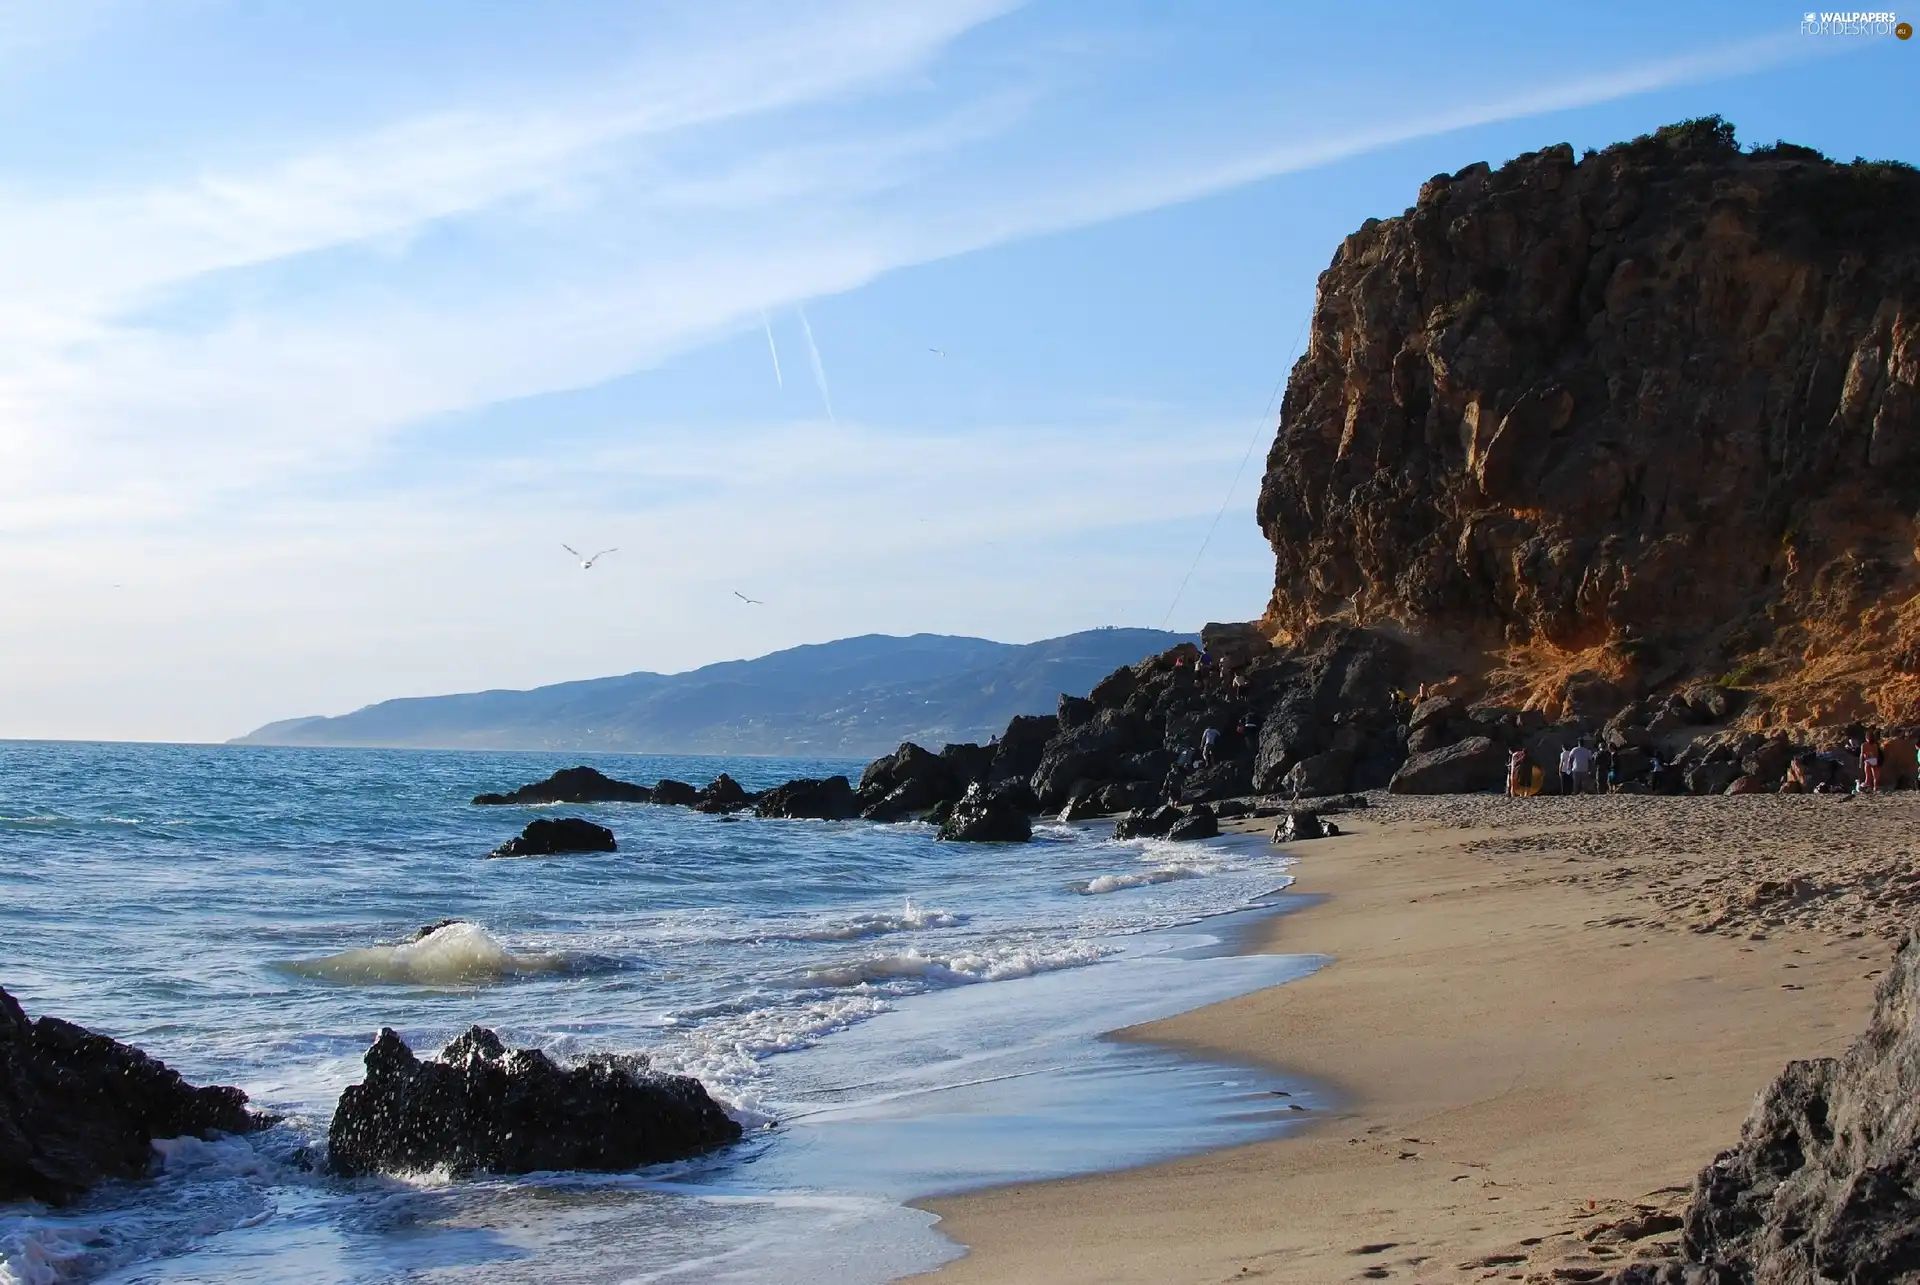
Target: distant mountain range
[854,698]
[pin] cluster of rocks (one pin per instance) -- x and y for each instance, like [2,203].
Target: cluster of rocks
[481,1106]
[1821,1186]
[77,1109]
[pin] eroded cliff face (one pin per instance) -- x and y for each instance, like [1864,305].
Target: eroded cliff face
[1652,413]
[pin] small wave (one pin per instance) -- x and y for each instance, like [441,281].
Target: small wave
[876,924]
[1145,878]
[454,954]
[959,969]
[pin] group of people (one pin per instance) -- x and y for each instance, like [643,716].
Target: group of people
[1583,769]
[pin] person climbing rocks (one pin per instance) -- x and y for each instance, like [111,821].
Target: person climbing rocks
[1209,742]
[1870,754]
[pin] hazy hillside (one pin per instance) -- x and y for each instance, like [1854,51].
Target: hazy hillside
[856,697]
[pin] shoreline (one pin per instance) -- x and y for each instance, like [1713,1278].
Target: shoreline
[1539,1020]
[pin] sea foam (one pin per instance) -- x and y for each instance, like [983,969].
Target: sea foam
[458,954]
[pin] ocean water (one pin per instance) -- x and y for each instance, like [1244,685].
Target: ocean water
[889,1016]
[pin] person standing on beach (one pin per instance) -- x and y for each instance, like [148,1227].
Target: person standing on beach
[1516,765]
[1580,765]
[1870,760]
[1566,770]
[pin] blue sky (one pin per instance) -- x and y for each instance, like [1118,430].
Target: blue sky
[322,326]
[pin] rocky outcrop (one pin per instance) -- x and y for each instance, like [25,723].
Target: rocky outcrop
[985,816]
[78,1109]
[1199,823]
[573,785]
[1824,1184]
[553,836]
[1477,763]
[831,799]
[723,794]
[674,793]
[479,1106]
[1599,424]
[1300,824]
[1148,823]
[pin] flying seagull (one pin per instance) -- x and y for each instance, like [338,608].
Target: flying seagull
[938,352]
[743,597]
[586,563]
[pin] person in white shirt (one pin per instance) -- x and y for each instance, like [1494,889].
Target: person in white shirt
[1580,763]
[1566,771]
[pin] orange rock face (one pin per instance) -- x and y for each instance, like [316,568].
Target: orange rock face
[1650,414]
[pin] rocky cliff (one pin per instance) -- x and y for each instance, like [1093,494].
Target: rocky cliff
[1648,414]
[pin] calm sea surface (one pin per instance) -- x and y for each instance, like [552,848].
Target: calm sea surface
[890,1016]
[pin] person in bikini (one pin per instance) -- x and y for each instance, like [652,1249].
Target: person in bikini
[1870,761]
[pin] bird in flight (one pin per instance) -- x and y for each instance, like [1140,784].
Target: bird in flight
[586,563]
[938,352]
[743,597]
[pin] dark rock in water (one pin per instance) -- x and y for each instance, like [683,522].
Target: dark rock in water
[1084,803]
[1148,823]
[480,1106]
[551,836]
[724,795]
[1088,752]
[432,928]
[574,785]
[909,780]
[1015,793]
[77,1109]
[1021,747]
[939,812]
[831,799]
[1821,1186]
[981,816]
[1124,796]
[1198,823]
[1476,763]
[1296,826]
[675,793]
[966,763]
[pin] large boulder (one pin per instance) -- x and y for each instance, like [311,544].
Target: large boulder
[479,1106]
[1237,643]
[1477,763]
[1199,823]
[810,798]
[1298,825]
[677,794]
[553,836]
[982,816]
[1327,773]
[573,785]
[1021,747]
[1226,779]
[1824,1184]
[1712,778]
[723,794]
[909,780]
[1148,822]
[77,1109]
[1088,752]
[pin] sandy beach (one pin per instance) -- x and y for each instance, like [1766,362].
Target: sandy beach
[1539,1019]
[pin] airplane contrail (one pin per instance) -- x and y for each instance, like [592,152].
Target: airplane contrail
[819,371]
[768,327]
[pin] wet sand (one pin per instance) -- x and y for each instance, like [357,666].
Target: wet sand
[1540,1018]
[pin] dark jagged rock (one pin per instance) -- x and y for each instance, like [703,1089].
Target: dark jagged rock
[1084,803]
[1088,752]
[1299,825]
[1339,694]
[1225,779]
[831,799]
[1124,796]
[723,794]
[552,836]
[574,785]
[1327,773]
[1074,710]
[674,793]
[1822,1185]
[1148,823]
[981,816]
[1015,793]
[967,762]
[1021,746]
[480,1106]
[1476,763]
[429,930]
[1198,823]
[78,1109]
